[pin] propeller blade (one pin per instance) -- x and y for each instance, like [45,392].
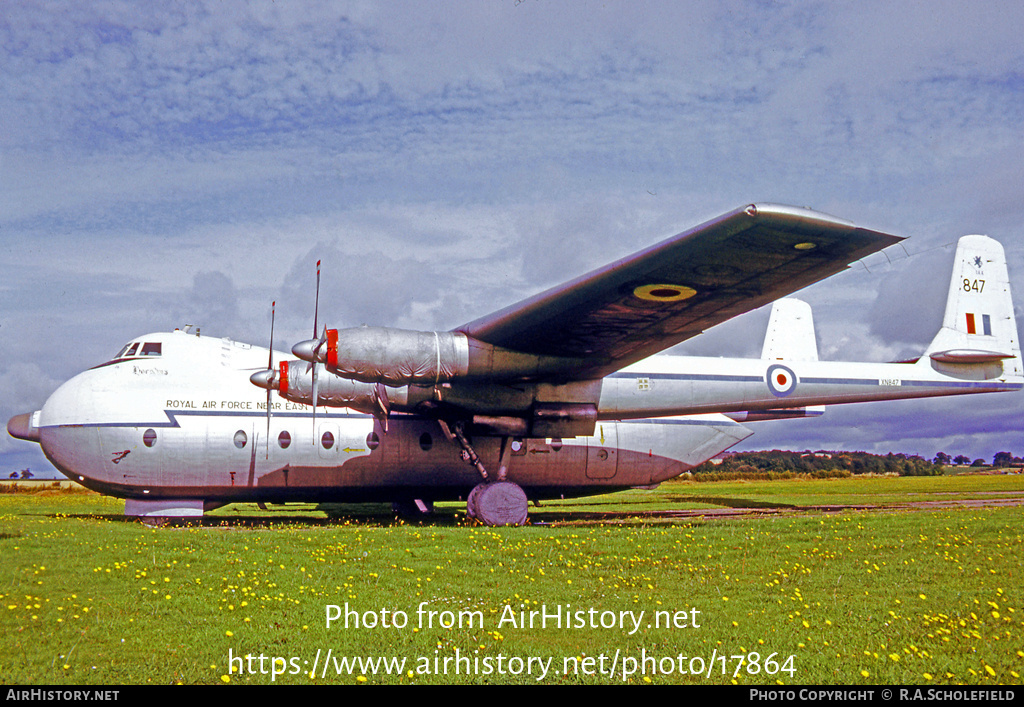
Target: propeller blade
[319,344]
[316,306]
[270,368]
[316,321]
[252,460]
[273,313]
[315,399]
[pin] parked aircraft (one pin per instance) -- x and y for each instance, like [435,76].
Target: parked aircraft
[559,395]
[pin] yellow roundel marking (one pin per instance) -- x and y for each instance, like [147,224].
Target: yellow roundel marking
[664,293]
[805,246]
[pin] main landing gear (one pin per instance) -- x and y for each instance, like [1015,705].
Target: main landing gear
[497,503]
[493,502]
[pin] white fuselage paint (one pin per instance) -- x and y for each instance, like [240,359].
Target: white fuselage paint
[189,424]
[681,385]
[206,425]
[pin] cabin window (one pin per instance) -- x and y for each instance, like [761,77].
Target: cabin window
[426,441]
[556,443]
[373,442]
[149,437]
[327,440]
[284,440]
[240,439]
[150,349]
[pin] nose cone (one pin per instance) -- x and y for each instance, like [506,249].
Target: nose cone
[306,350]
[23,426]
[264,379]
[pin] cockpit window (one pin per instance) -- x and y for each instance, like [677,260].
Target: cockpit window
[150,348]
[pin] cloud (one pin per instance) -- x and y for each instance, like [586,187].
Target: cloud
[24,387]
[170,164]
[214,302]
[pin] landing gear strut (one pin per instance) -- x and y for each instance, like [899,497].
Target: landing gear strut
[493,502]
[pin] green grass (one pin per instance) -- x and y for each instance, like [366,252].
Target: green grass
[869,596]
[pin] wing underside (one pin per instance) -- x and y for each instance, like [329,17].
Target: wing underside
[672,291]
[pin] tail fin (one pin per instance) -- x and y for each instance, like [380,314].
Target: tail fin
[978,326]
[790,335]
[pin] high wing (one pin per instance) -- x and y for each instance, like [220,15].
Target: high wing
[672,291]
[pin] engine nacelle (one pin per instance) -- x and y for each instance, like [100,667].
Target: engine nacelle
[397,357]
[296,384]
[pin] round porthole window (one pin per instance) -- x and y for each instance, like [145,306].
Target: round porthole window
[149,437]
[372,441]
[426,441]
[284,439]
[240,439]
[327,440]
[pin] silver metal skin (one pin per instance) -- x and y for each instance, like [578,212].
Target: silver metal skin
[304,350]
[264,379]
[397,356]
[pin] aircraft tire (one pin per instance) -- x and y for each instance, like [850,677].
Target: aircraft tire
[498,503]
[471,500]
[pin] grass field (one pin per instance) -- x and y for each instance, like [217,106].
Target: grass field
[895,594]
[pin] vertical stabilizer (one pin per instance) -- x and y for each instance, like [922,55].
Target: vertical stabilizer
[790,335]
[978,326]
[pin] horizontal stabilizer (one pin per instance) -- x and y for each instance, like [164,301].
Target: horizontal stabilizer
[777,414]
[969,356]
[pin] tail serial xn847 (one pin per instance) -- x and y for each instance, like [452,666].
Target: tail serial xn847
[556,396]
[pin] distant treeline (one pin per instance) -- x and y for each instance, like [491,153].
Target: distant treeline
[818,464]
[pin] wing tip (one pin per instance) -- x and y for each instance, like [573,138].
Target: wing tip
[804,216]
[796,213]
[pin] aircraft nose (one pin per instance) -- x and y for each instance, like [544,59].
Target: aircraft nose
[264,379]
[23,427]
[304,350]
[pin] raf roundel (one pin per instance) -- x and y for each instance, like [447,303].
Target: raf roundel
[664,293]
[781,381]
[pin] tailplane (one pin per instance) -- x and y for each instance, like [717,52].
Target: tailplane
[978,328]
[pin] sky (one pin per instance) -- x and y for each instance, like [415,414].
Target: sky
[164,164]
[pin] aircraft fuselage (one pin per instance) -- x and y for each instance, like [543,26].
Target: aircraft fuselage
[189,424]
